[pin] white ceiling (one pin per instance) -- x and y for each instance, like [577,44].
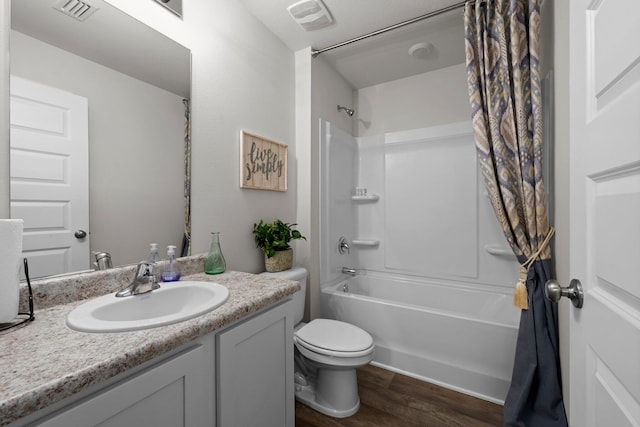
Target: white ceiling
[381,58]
[369,62]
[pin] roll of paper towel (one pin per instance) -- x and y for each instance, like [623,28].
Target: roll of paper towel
[10,257]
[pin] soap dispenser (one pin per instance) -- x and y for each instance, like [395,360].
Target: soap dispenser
[172,272]
[153,260]
[153,253]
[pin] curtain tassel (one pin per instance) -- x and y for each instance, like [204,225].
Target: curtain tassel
[520,296]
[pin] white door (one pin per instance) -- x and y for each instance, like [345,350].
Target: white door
[605,212]
[50,176]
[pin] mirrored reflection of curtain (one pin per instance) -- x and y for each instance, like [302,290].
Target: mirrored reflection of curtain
[186,238]
[502,49]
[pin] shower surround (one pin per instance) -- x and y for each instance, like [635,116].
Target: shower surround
[434,278]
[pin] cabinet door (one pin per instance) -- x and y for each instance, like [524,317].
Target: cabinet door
[255,371]
[173,393]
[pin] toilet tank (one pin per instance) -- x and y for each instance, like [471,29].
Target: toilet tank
[299,274]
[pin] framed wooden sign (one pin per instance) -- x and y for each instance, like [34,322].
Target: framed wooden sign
[263,163]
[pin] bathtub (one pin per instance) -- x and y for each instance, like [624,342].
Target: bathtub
[457,336]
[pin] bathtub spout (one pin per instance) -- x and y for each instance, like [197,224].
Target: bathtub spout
[347,270]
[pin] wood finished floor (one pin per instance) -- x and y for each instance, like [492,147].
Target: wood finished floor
[389,399]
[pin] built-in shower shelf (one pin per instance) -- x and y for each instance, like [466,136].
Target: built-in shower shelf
[501,251]
[365,242]
[367,198]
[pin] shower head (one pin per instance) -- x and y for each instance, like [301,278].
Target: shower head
[349,111]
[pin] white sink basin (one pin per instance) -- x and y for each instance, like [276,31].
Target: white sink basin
[172,303]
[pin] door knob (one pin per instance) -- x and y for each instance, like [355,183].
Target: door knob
[574,292]
[80,234]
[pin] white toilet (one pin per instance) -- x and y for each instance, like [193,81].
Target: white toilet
[328,353]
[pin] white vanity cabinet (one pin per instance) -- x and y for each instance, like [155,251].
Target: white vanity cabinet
[176,392]
[254,362]
[240,375]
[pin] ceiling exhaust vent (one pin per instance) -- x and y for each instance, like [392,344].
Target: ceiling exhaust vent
[77,9]
[310,14]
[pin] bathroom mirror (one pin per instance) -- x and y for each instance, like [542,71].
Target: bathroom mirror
[135,81]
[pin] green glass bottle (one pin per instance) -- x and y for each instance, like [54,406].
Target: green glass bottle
[215,264]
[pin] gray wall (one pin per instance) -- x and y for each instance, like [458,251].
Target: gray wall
[555,38]
[428,99]
[242,78]
[319,89]
[5,16]
[236,84]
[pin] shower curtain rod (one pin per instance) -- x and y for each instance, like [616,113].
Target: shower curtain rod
[316,52]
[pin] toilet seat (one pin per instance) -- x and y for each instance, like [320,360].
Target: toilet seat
[334,338]
[333,353]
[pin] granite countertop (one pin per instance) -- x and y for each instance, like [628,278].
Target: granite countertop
[45,361]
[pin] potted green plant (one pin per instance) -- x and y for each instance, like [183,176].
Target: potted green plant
[273,239]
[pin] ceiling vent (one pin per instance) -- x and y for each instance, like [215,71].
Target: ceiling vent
[77,9]
[310,14]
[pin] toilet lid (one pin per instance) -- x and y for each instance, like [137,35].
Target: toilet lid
[334,335]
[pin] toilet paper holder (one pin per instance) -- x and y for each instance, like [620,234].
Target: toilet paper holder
[30,316]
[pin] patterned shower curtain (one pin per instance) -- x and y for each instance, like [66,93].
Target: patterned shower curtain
[186,238]
[502,53]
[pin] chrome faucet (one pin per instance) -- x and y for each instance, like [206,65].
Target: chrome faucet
[103,261]
[347,270]
[145,280]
